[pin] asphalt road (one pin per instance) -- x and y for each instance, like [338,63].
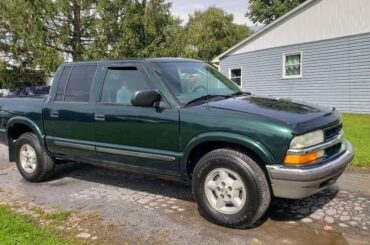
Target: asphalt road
[141,210]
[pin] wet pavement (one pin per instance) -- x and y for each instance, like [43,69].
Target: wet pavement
[145,210]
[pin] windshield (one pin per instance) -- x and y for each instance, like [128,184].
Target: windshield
[192,80]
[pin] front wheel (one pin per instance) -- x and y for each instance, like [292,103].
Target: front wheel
[33,162]
[230,188]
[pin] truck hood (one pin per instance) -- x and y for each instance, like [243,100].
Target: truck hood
[302,117]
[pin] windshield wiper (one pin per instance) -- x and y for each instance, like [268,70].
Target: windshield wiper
[205,98]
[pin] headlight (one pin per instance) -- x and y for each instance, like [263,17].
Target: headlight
[307,140]
[304,141]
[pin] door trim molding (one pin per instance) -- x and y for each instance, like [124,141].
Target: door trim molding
[135,154]
[74,145]
[112,149]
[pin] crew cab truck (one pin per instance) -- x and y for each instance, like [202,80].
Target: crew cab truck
[179,119]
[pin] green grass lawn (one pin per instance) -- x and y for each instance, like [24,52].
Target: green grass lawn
[357,131]
[20,229]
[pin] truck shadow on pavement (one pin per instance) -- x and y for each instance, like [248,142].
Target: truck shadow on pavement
[280,209]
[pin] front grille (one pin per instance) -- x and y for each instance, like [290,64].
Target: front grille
[331,151]
[332,132]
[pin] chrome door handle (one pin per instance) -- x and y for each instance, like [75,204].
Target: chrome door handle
[54,114]
[99,117]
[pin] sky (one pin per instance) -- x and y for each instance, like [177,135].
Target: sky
[183,8]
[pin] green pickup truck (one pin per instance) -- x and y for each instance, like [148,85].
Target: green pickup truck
[179,119]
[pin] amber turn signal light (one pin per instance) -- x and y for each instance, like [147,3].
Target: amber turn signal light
[301,159]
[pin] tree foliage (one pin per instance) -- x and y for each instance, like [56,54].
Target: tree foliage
[135,29]
[266,11]
[212,32]
[38,35]
[18,77]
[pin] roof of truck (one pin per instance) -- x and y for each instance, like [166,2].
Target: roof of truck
[161,59]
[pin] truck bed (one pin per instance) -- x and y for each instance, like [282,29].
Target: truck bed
[20,107]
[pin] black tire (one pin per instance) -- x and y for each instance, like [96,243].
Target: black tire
[44,163]
[257,188]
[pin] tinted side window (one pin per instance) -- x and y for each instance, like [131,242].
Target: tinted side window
[120,84]
[79,84]
[62,83]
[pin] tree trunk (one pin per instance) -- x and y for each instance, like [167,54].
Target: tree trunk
[76,39]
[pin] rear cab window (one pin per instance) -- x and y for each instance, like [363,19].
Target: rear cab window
[63,83]
[75,83]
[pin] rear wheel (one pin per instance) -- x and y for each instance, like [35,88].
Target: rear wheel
[230,188]
[32,161]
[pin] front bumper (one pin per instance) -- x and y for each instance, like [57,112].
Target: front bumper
[298,183]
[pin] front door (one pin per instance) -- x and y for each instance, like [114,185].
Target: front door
[144,137]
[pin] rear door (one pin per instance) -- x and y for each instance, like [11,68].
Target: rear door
[69,115]
[143,137]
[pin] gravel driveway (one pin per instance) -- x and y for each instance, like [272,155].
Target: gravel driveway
[141,210]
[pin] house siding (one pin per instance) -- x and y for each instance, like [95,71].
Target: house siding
[336,72]
[318,20]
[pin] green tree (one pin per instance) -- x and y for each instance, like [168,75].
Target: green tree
[47,31]
[211,32]
[18,77]
[64,25]
[135,29]
[266,11]
[19,42]
[39,35]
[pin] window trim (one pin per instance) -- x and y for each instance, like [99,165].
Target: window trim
[284,76]
[241,75]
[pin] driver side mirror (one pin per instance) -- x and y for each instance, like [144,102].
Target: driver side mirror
[145,98]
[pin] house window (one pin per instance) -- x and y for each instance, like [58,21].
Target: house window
[292,65]
[236,76]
